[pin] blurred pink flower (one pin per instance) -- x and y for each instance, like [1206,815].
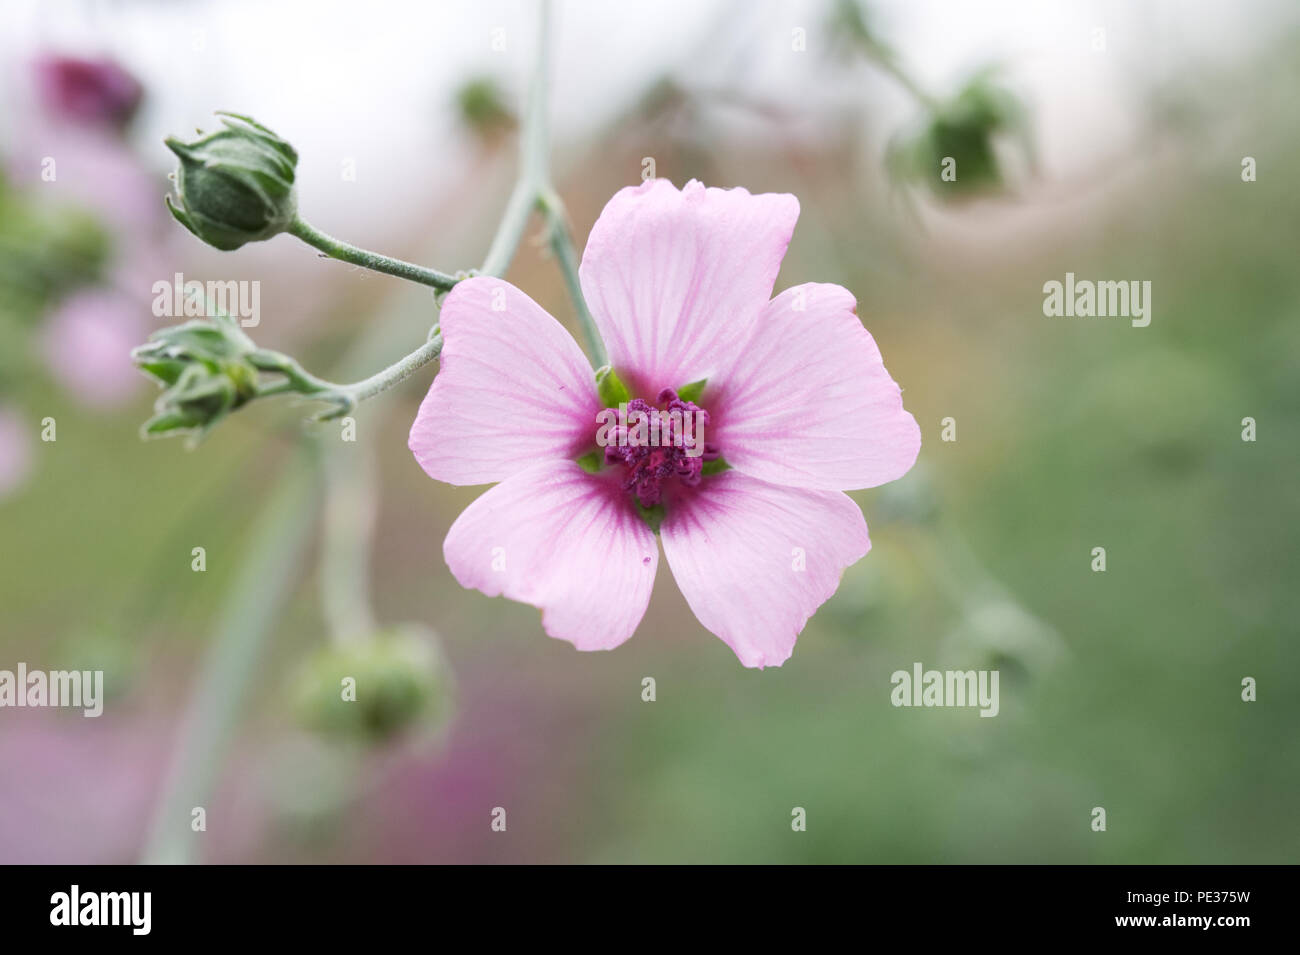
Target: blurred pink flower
[68,142]
[87,344]
[56,767]
[93,170]
[15,450]
[798,403]
[96,91]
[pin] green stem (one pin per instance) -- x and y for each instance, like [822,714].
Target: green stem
[887,61]
[511,230]
[262,584]
[298,381]
[567,256]
[533,159]
[338,249]
[399,371]
[348,522]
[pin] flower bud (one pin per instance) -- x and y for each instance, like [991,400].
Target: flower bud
[211,368]
[96,91]
[235,185]
[483,110]
[207,369]
[1000,634]
[957,152]
[391,682]
[49,250]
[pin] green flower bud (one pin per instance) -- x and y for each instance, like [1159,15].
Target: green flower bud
[999,634]
[211,368]
[390,683]
[208,369]
[235,185]
[47,250]
[482,107]
[956,151]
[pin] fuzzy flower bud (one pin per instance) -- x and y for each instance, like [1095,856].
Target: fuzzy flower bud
[206,370]
[955,151]
[392,682]
[235,185]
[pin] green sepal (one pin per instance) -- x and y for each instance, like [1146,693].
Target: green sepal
[653,516]
[403,687]
[693,391]
[591,461]
[716,466]
[610,388]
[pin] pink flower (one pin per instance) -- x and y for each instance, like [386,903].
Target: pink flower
[84,90]
[87,343]
[797,399]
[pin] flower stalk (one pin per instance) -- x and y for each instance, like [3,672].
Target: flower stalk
[337,249]
[262,585]
[566,256]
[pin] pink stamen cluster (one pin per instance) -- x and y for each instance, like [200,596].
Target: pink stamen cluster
[651,464]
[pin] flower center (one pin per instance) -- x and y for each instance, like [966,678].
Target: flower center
[655,445]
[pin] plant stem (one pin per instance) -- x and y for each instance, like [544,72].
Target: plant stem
[511,230]
[533,161]
[348,522]
[885,60]
[398,371]
[338,249]
[261,586]
[567,258]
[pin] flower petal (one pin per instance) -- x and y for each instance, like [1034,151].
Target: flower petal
[755,560]
[566,541]
[513,387]
[809,403]
[675,278]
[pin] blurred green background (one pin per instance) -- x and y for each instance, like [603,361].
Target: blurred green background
[1119,689]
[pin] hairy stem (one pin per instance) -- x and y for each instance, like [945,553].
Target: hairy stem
[397,372]
[566,256]
[533,158]
[511,230]
[344,252]
[348,522]
[260,588]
